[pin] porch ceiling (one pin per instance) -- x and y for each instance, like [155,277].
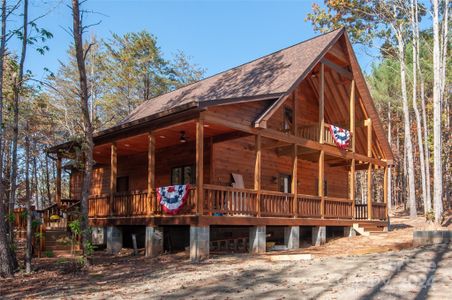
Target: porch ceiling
[165,137]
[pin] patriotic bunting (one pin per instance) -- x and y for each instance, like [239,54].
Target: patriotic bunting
[173,198]
[341,136]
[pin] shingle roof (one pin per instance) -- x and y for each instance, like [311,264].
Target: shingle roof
[271,74]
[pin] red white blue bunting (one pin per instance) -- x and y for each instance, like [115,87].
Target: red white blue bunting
[173,198]
[341,136]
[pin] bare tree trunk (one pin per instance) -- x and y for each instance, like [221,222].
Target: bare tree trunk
[426,145]
[28,249]
[406,119]
[437,163]
[415,38]
[88,144]
[389,204]
[6,252]
[49,193]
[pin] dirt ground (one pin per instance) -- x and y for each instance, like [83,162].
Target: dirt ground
[382,266]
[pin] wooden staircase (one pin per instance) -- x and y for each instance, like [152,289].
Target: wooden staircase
[366,229]
[56,237]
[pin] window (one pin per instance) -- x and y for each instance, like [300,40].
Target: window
[285,183]
[183,175]
[288,119]
[122,184]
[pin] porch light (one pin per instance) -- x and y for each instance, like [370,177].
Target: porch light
[182,138]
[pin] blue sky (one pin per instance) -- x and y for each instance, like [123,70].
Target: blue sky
[217,35]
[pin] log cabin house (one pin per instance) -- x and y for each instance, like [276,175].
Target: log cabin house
[256,146]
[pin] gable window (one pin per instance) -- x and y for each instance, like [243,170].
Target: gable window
[183,175]
[288,119]
[285,183]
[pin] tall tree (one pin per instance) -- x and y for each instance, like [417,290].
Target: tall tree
[18,84]
[439,49]
[87,141]
[415,49]
[7,262]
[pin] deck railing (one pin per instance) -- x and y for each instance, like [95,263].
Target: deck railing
[312,132]
[361,211]
[378,211]
[223,200]
[276,204]
[340,208]
[308,206]
[229,201]
[131,204]
[98,206]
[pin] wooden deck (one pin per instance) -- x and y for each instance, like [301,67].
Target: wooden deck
[232,206]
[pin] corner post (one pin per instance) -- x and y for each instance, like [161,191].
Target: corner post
[352,187]
[295,180]
[113,174]
[200,165]
[321,140]
[257,173]
[369,169]
[322,104]
[352,132]
[151,174]
[58,180]
[385,191]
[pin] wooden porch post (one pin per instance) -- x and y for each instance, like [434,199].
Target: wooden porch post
[322,103]
[321,179]
[200,165]
[352,132]
[369,169]
[352,187]
[385,191]
[113,174]
[151,173]
[295,179]
[257,172]
[58,180]
[321,138]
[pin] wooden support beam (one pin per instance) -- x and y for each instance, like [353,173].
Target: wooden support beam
[200,165]
[385,191]
[58,180]
[295,179]
[344,72]
[151,173]
[113,175]
[321,180]
[369,169]
[352,187]
[257,171]
[229,136]
[290,139]
[369,137]
[352,115]
[322,103]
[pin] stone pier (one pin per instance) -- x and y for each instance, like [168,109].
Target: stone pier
[199,243]
[154,241]
[257,239]
[114,239]
[318,235]
[292,237]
